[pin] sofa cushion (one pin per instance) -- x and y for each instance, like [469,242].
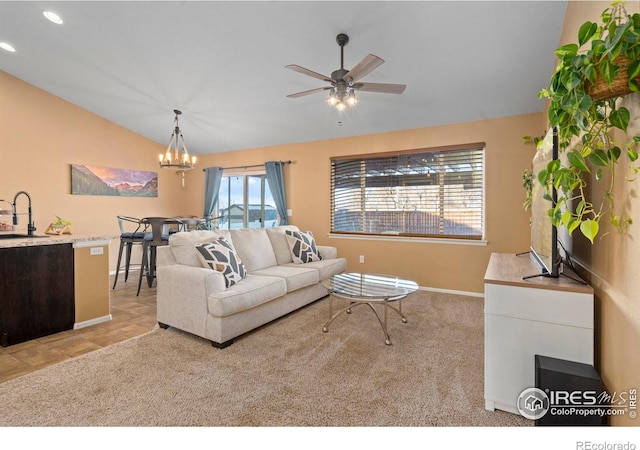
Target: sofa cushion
[253,291]
[326,268]
[279,242]
[302,246]
[296,277]
[254,247]
[222,257]
[183,245]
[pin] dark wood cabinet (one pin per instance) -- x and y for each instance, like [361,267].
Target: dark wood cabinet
[36,292]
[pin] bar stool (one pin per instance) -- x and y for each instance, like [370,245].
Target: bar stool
[190,223]
[158,236]
[128,239]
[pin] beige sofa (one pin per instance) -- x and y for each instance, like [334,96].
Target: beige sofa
[195,299]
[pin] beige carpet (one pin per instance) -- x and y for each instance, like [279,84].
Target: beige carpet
[288,373]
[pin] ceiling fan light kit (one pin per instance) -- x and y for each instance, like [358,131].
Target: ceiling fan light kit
[345,83]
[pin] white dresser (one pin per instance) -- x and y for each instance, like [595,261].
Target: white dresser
[522,318]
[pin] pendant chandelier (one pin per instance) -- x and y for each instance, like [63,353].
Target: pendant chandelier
[177,157]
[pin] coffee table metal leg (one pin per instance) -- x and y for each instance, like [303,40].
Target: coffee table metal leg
[325,328]
[398,310]
[387,338]
[383,321]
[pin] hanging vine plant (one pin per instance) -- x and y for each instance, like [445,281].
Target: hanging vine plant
[584,91]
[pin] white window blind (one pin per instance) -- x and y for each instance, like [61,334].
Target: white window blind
[430,193]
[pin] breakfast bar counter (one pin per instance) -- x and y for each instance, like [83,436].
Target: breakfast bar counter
[52,283]
[50,239]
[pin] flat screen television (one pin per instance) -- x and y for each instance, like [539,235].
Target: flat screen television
[544,235]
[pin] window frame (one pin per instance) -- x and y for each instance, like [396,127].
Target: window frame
[245,197]
[403,236]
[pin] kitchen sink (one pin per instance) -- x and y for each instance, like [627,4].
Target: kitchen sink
[18,236]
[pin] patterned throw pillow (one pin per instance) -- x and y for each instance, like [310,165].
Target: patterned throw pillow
[221,256]
[302,246]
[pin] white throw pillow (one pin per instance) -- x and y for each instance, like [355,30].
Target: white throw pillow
[220,256]
[302,246]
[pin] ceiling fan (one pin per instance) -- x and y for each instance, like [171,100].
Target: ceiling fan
[344,83]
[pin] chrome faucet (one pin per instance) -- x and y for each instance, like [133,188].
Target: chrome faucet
[31,226]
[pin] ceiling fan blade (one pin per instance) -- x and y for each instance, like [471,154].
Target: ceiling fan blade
[365,66]
[311,73]
[385,88]
[310,91]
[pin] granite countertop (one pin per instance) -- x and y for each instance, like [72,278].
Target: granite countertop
[47,239]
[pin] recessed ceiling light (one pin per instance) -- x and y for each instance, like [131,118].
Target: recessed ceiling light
[7,47]
[53,17]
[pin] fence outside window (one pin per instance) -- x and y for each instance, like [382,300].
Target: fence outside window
[425,193]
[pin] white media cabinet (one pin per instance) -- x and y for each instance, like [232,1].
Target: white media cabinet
[527,317]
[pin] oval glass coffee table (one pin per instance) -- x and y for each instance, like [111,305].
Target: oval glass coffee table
[368,289]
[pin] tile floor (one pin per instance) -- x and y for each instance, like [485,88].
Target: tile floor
[131,316]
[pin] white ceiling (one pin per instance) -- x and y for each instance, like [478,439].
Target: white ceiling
[223,63]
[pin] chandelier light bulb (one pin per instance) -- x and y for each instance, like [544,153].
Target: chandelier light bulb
[180,161]
[340,106]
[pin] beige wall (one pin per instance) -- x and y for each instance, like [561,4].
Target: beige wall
[436,265]
[611,264]
[43,135]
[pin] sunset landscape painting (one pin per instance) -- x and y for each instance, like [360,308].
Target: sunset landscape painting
[96,180]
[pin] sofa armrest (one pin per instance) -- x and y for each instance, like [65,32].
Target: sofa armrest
[182,295]
[327,252]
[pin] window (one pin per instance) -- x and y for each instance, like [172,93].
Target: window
[425,193]
[245,201]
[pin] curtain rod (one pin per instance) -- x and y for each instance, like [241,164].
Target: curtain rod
[254,165]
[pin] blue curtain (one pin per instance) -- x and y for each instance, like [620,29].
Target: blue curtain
[276,184]
[211,190]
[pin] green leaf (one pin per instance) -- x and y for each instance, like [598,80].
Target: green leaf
[571,81]
[634,69]
[617,33]
[633,155]
[572,225]
[615,221]
[619,118]
[577,161]
[599,175]
[542,177]
[614,154]
[587,30]
[566,217]
[568,50]
[608,70]
[599,158]
[589,228]
[585,102]
[590,73]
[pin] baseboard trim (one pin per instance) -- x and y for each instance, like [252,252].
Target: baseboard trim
[88,323]
[451,291]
